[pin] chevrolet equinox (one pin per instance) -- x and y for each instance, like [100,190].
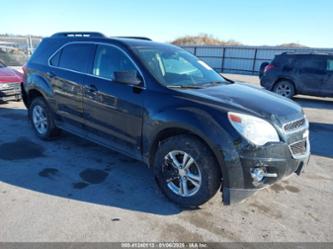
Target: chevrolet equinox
[159,104]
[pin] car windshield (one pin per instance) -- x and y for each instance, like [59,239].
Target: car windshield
[175,67]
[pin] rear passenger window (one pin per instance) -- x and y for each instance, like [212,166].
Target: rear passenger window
[109,60]
[77,57]
[330,65]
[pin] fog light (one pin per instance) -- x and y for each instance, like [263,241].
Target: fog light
[258,174]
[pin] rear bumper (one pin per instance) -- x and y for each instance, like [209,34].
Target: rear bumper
[267,82]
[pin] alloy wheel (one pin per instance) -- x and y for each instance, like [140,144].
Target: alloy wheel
[181,173]
[39,119]
[283,90]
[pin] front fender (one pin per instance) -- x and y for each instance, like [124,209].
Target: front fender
[212,127]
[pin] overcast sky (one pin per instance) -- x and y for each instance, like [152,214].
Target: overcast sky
[251,22]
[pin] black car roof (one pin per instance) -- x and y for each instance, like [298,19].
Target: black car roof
[131,41]
[50,45]
[307,53]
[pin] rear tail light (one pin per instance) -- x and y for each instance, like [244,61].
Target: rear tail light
[268,68]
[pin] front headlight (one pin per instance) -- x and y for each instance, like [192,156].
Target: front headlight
[256,130]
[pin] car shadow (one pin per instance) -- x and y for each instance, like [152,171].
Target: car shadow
[321,139]
[309,102]
[73,168]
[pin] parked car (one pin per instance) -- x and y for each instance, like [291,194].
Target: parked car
[161,105]
[10,83]
[299,73]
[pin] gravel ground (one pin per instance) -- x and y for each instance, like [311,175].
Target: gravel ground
[73,190]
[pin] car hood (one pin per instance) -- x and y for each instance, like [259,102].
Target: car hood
[246,98]
[8,75]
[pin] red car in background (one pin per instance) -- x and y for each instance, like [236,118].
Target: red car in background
[10,83]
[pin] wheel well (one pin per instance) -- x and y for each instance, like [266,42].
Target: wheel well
[32,94]
[284,79]
[170,132]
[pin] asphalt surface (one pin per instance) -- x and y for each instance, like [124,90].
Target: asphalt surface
[73,190]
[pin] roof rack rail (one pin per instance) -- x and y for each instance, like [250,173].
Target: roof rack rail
[78,34]
[135,37]
[313,52]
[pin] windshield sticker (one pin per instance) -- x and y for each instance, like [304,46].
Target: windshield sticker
[205,65]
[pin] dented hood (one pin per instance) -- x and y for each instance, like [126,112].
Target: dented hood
[250,99]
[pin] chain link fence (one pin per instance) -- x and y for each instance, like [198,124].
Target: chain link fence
[15,50]
[242,59]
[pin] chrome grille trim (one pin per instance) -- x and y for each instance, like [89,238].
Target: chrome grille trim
[295,125]
[296,134]
[11,85]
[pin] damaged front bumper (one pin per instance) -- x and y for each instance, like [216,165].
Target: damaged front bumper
[280,164]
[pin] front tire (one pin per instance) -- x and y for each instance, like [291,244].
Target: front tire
[284,88]
[186,171]
[42,119]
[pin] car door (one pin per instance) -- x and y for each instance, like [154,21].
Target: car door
[327,89]
[69,68]
[113,111]
[311,74]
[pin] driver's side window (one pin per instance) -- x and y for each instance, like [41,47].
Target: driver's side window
[108,60]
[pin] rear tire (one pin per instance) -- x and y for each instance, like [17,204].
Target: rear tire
[186,171]
[42,119]
[284,88]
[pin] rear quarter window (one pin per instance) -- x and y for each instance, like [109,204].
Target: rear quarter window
[45,50]
[281,60]
[55,59]
[285,62]
[76,57]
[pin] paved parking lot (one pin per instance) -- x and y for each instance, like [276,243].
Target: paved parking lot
[73,190]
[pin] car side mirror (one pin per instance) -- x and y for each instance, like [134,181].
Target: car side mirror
[127,77]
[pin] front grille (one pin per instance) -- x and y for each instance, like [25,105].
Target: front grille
[294,125]
[14,85]
[10,86]
[298,148]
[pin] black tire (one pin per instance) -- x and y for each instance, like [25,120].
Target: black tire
[51,130]
[204,160]
[284,88]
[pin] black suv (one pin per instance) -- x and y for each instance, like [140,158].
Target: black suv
[160,104]
[299,73]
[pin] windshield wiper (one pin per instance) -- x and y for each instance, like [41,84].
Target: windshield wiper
[185,86]
[213,83]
